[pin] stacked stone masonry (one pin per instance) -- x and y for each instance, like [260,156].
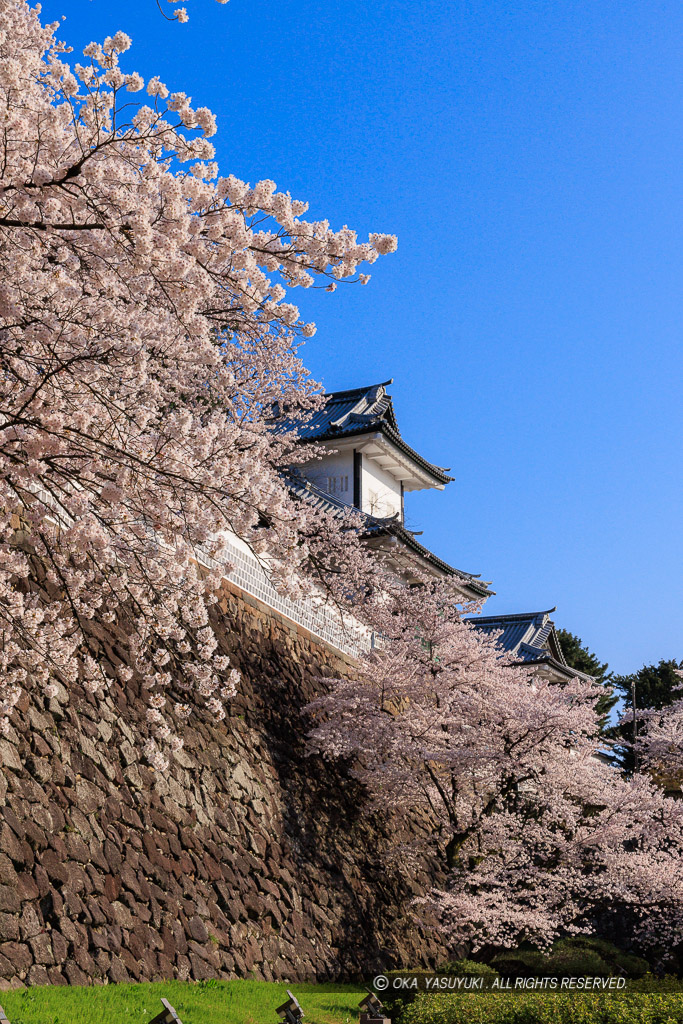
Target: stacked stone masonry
[246,858]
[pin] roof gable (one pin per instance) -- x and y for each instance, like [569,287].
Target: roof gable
[529,637]
[370,406]
[352,413]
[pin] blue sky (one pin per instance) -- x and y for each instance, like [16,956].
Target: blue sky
[529,157]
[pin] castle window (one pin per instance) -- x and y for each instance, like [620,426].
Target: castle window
[337,484]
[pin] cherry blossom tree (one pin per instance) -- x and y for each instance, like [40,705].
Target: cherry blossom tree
[145,332]
[537,835]
[659,742]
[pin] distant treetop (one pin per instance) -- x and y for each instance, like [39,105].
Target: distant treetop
[578,656]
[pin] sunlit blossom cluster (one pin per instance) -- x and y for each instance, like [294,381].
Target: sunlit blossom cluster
[180,14]
[538,836]
[659,743]
[146,331]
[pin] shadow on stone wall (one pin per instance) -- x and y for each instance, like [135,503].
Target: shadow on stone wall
[246,858]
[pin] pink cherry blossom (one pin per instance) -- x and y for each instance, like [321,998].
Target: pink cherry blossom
[145,334]
[537,835]
[659,743]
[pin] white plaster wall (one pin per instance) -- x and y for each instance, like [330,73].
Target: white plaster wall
[381,492]
[333,474]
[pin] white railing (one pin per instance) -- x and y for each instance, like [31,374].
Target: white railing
[322,619]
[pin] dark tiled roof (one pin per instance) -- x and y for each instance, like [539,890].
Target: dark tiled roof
[529,637]
[526,635]
[373,526]
[350,413]
[395,529]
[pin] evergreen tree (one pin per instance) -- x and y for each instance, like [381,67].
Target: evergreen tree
[578,656]
[655,685]
[655,688]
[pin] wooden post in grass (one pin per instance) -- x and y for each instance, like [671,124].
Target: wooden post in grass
[290,1012]
[167,1015]
[371,1010]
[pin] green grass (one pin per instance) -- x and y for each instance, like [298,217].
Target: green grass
[545,1008]
[203,1002]
[254,1002]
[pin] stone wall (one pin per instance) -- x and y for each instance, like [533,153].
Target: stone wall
[246,858]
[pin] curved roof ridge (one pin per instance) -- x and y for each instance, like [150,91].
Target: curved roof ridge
[348,392]
[516,617]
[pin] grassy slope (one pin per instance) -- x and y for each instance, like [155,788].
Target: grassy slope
[214,1002]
